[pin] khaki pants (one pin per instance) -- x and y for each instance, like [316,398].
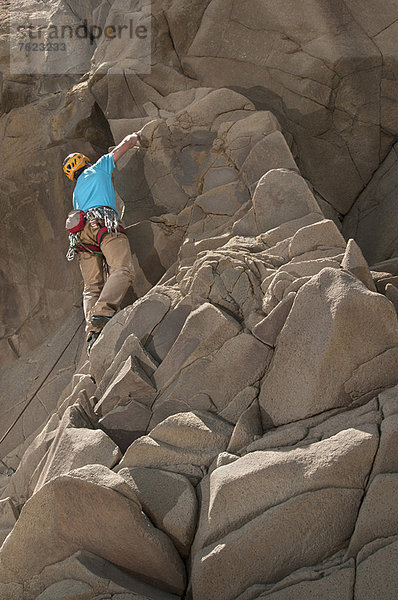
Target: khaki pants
[103,295]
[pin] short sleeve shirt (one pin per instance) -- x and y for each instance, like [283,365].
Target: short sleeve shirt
[94,186]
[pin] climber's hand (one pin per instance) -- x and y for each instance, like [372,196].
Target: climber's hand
[128,142]
[132,139]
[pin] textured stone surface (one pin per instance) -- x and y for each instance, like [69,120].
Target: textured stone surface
[22,483]
[169,500]
[116,529]
[290,63]
[184,438]
[214,572]
[130,382]
[240,362]
[258,481]
[392,294]
[101,577]
[205,330]
[21,379]
[8,517]
[333,583]
[75,445]
[328,310]
[355,262]
[125,423]
[281,195]
[377,575]
[246,429]
[372,221]
[269,328]
[377,517]
[253,356]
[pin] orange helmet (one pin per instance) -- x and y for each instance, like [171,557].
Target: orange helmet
[74,162]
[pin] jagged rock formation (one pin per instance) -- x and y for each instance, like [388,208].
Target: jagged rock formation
[233,435]
[327,70]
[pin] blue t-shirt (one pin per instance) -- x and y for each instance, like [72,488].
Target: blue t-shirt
[94,186]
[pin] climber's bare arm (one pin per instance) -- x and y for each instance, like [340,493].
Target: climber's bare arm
[131,140]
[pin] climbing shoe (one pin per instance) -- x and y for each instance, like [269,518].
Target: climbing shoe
[91,341]
[99,321]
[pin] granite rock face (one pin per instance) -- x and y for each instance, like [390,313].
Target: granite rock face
[233,433]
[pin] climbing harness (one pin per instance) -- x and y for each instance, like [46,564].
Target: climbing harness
[100,216]
[10,469]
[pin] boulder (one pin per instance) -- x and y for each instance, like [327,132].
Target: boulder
[143,316]
[246,429]
[185,438]
[313,359]
[354,261]
[330,423]
[103,351]
[268,329]
[126,423]
[169,500]
[206,329]
[244,135]
[203,112]
[289,228]
[282,195]
[129,383]
[223,200]
[22,482]
[165,333]
[318,522]
[90,509]
[239,404]
[133,348]
[82,386]
[260,480]
[95,573]
[286,435]
[75,445]
[139,319]
[323,234]
[271,152]
[239,363]
[374,375]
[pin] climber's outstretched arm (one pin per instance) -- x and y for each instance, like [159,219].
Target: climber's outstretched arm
[131,140]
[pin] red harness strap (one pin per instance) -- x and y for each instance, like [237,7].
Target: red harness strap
[87,247]
[104,230]
[96,248]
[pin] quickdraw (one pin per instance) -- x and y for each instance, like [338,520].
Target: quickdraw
[105,215]
[76,246]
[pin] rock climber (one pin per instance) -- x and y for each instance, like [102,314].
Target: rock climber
[97,236]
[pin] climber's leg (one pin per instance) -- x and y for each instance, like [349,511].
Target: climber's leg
[91,267]
[117,253]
